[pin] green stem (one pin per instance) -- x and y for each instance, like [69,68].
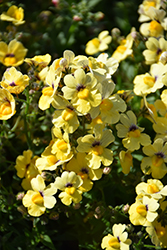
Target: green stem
[27,132]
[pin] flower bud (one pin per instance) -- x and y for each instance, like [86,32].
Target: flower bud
[163,57]
[77,18]
[106,170]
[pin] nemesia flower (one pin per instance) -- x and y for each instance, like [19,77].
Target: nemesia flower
[154,164]
[14,15]
[7,105]
[160,128]
[109,64]
[68,183]
[98,44]
[60,145]
[48,161]
[126,160]
[40,197]
[81,90]
[118,240]
[79,165]
[40,61]
[25,166]
[155,48]
[96,147]
[149,82]
[49,91]
[14,81]
[158,234]
[65,116]
[143,212]
[153,188]
[64,63]
[144,7]
[155,27]
[12,54]
[125,48]
[131,133]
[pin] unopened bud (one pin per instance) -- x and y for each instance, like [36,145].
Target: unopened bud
[125,208]
[76,206]
[99,15]
[115,32]
[77,18]
[106,170]
[54,216]
[63,62]
[163,57]
[20,196]
[134,35]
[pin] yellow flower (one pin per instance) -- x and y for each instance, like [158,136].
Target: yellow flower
[148,83]
[39,62]
[7,105]
[25,166]
[60,146]
[65,116]
[12,54]
[154,164]
[154,50]
[14,81]
[126,160]
[143,212]
[153,188]
[95,145]
[155,27]
[79,165]
[49,91]
[118,240]
[131,133]
[40,197]
[98,44]
[81,90]
[48,161]
[125,48]
[144,8]
[68,183]
[160,128]
[14,15]
[158,234]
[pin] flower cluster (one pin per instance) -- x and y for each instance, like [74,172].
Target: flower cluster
[96,133]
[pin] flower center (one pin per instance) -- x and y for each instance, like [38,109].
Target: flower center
[84,173]
[155,28]
[106,105]
[5,108]
[133,131]
[158,159]
[160,231]
[142,210]
[121,49]
[149,4]
[97,149]
[67,114]
[9,59]
[83,93]
[12,84]
[37,198]
[62,145]
[96,42]
[47,91]
[149,80]
[152,188]
[114,243]
[51,159]
[70,190]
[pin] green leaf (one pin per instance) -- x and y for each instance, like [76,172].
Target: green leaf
[46,241]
